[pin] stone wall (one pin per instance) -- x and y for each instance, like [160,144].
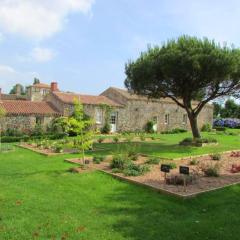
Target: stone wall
[24,123]
[137,112]
[135,115]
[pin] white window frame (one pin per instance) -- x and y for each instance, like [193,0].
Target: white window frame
[167,118]
[185,118]
[99,115]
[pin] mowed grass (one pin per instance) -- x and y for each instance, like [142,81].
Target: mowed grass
[167,145]
[40,199]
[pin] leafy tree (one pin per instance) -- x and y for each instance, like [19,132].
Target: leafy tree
[36,81]
[14,89]
[83,126]
[60,125]
[230,109]
[185,70]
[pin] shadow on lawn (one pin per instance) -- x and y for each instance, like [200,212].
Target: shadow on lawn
[142,214]
[154,148]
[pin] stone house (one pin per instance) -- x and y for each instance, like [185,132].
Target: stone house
[125,111]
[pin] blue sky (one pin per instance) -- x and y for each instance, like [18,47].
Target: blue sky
[84,44]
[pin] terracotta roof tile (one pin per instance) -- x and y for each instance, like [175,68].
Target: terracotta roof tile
[19,107]
[85,99]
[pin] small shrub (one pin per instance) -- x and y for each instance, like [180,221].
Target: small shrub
[154,161]
[133,154]
[186,141]
[106,129]
[98,159]
[211,170]
[149,127]
[132,169]
[216,157]
[206,128]
[118,161]
[100,140]
[116,139]
[172,165]
[193,162]
[58,148]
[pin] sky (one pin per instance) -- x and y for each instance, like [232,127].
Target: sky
[84,44]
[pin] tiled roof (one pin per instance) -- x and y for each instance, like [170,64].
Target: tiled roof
[131,96]
[12,97]
[21,107]
[41,85]
[85,99]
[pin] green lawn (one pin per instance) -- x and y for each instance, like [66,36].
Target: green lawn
[167,146]
[39,199]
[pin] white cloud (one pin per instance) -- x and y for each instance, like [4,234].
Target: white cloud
[9,77]
[42,54]
[39,19]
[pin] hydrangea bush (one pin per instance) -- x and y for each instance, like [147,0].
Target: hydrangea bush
[227,122]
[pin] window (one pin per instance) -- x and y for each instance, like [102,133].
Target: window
[166,118]
[113,118]
[99,115]
[185,118]
[39,120]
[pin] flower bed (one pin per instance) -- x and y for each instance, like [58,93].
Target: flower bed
[206,174]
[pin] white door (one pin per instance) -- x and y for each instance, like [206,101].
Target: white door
[155,124]
[113,122]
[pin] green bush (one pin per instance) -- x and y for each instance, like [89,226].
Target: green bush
[132,169]
[116,139]
[206,128]
[12,139]
[154,160]
[118,161]
[106,128]
[59,148]
[193,162]
[216,157]
[100,140]
[98,159]
[174,131]
[211,170]
[172,165]
[149,127]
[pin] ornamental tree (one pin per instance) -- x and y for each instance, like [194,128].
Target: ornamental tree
[82,125]
[186,70]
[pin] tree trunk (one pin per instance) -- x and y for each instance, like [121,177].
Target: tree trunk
[194,125]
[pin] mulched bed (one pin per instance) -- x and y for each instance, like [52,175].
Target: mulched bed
[155,178]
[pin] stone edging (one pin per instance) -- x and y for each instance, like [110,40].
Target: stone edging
[167,192]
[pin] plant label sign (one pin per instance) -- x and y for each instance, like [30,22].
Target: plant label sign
[165,168]
[184,170]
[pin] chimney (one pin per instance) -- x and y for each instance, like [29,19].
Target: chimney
[54,87]
[18,90]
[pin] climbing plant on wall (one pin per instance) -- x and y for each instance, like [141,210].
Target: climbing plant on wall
[107,111]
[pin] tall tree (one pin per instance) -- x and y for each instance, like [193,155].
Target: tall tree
[16,88]
[230,109]
[185,70]
[217,108]
[36,81]
[82,125]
